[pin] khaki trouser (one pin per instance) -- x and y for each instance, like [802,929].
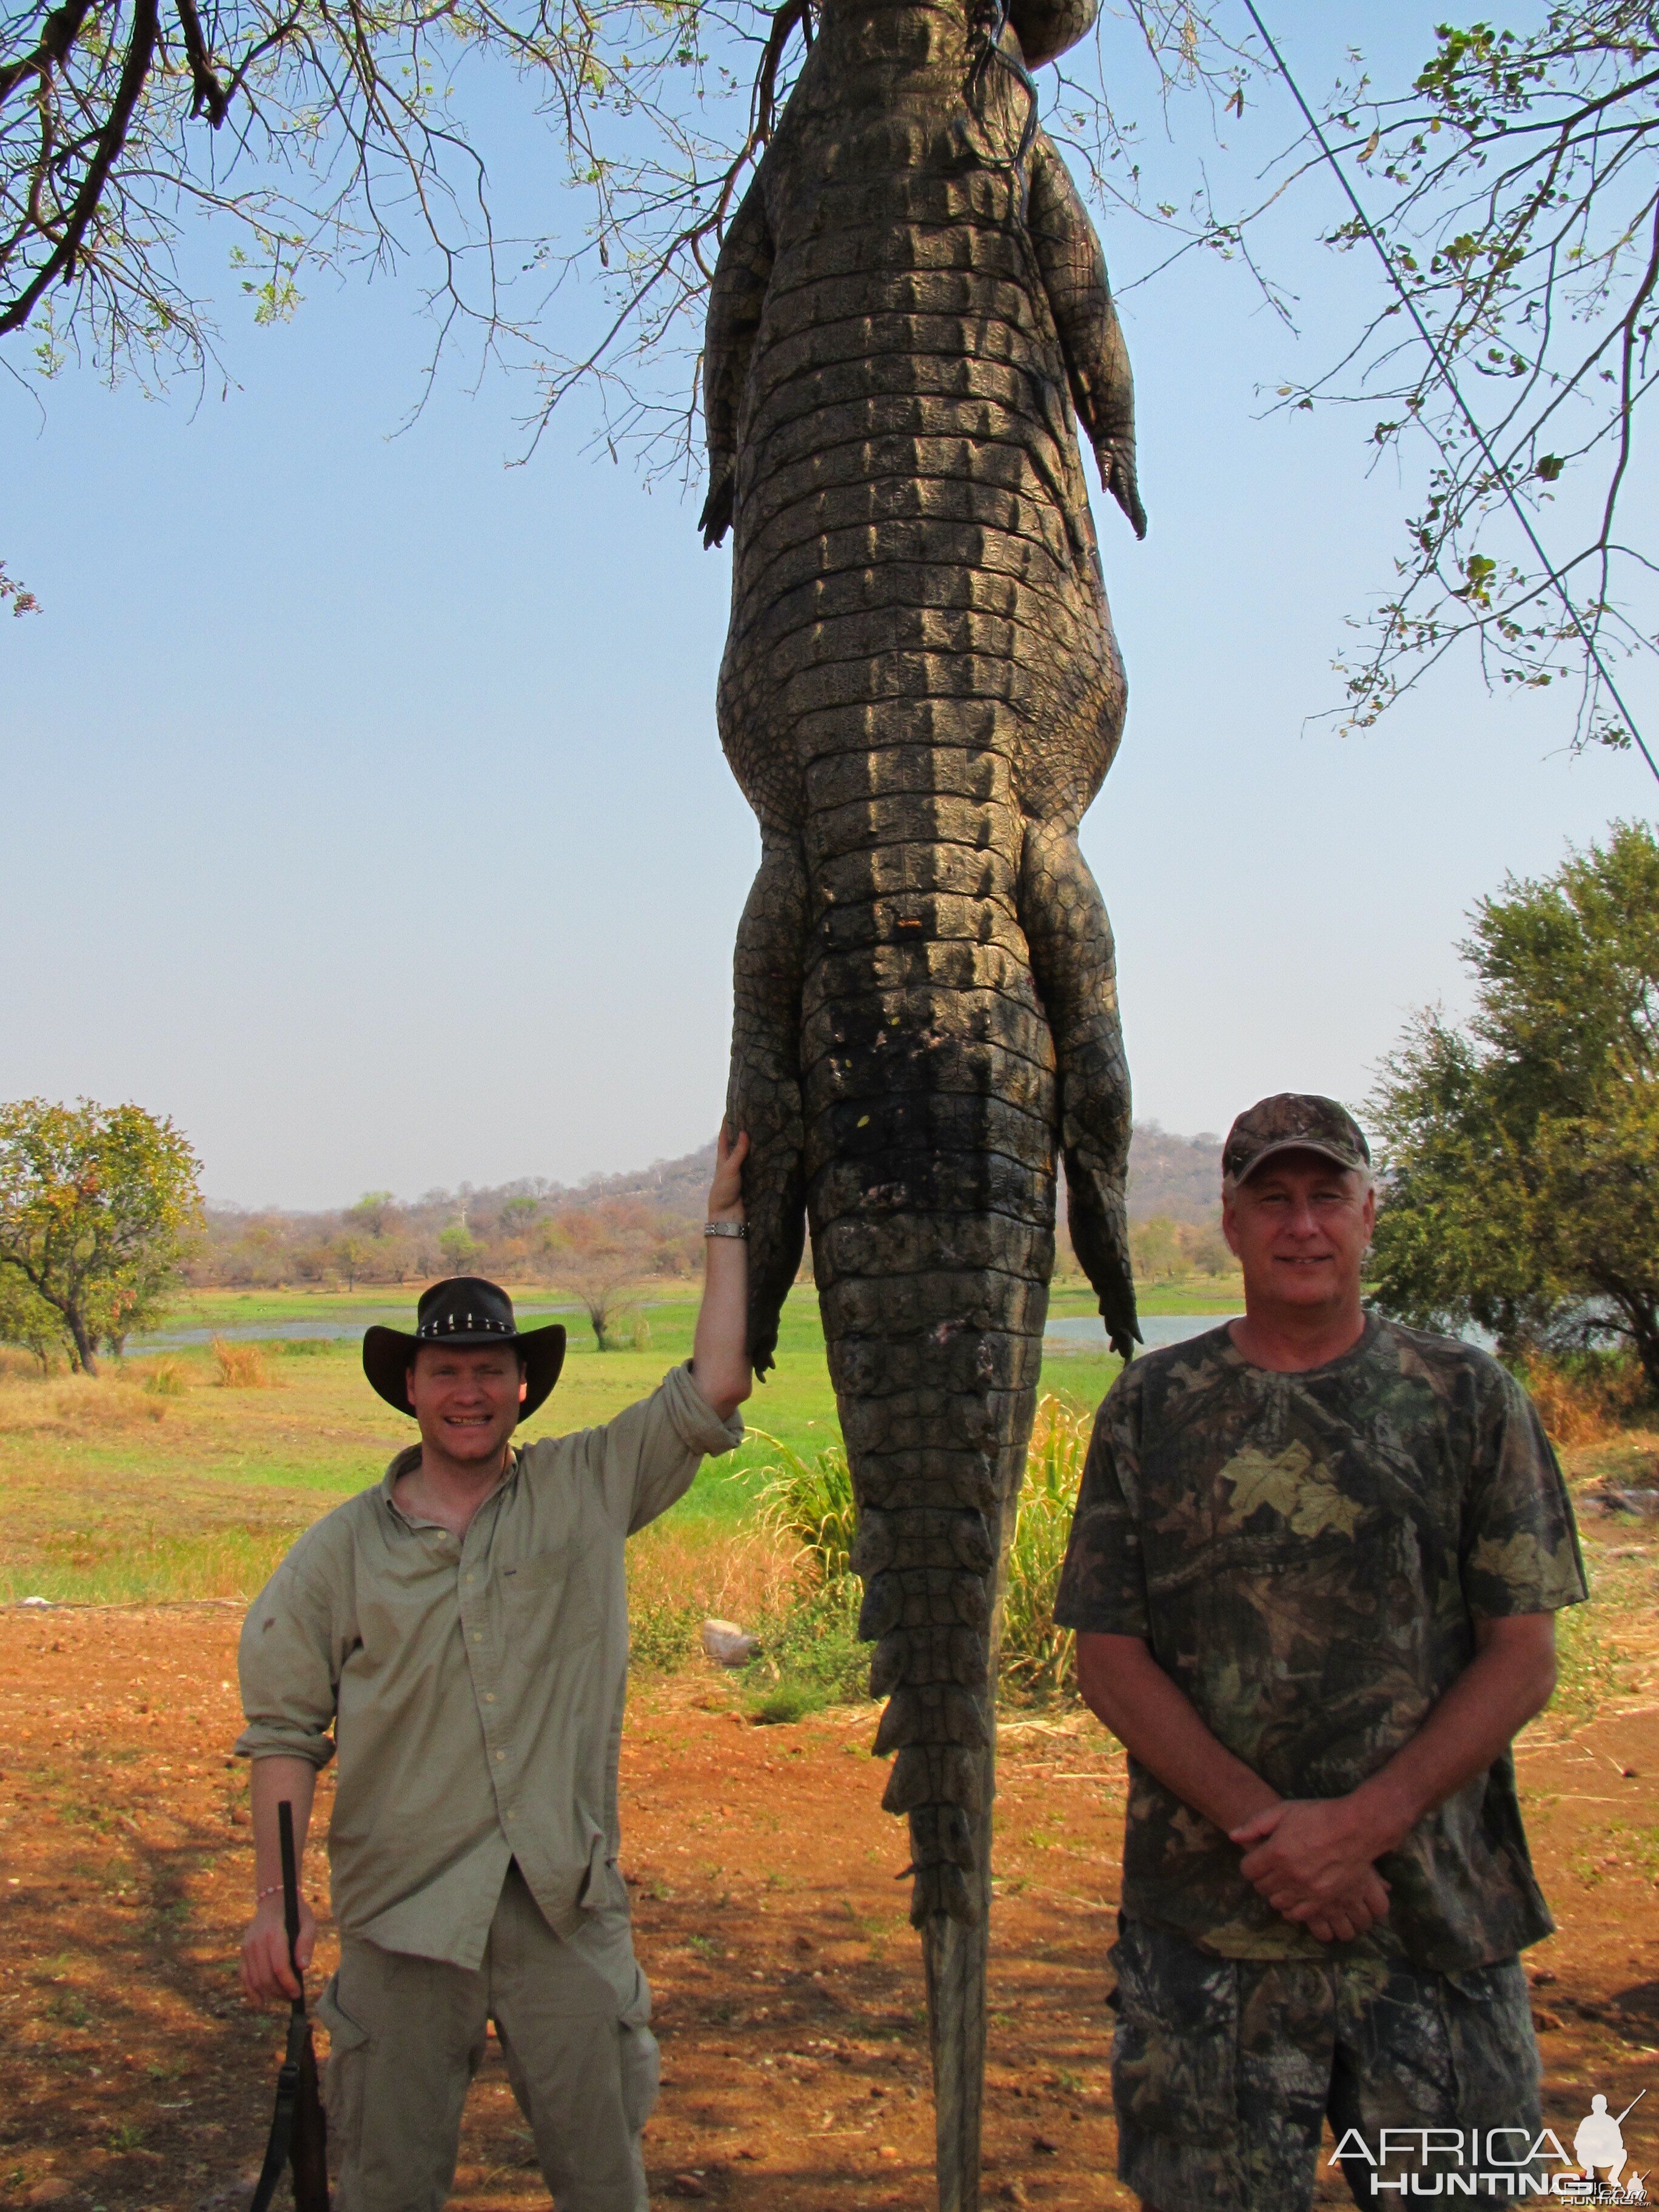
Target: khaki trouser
[407,2035]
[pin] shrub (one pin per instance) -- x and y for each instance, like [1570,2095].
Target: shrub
[789,1701]
[242,1366]
[1584,1397]
[809,1503]
[662,1633]
[810,1655]
[166,1379]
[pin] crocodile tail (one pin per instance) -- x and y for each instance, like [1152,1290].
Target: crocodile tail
[929,1111]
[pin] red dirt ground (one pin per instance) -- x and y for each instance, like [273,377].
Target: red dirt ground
[768,1918]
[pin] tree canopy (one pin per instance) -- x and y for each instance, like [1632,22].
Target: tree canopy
[99,1206]
[1521,1151]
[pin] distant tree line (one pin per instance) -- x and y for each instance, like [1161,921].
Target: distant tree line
[1518,1155]
[646,1223]
[521,1232]
[1166,1251]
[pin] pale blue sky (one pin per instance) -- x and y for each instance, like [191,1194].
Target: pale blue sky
[365,809]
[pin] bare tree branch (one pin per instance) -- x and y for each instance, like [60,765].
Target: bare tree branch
[59,263]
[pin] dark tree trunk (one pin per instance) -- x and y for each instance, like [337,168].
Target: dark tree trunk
[1642,1316]
[86,1350]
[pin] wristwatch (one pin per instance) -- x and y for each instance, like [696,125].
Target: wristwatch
[726,1229]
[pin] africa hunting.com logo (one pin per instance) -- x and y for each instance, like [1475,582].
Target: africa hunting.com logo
[1504,2162]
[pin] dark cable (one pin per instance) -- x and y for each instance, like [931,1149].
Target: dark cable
[1451,383]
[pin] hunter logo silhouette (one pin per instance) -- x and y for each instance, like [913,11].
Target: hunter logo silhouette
[1600,2143]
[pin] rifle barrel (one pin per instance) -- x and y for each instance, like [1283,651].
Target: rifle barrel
[299,2134]
[290,1891]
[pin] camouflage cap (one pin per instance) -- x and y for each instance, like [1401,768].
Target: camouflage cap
[1293,1121]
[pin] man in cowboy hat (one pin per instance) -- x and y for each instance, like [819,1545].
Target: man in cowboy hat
[458,1635]
[1314,1573]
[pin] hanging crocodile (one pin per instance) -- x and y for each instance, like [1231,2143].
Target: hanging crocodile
[920,695]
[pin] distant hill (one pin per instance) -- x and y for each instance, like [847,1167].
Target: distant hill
[646,1222]
[1179,1177]
[679,1186]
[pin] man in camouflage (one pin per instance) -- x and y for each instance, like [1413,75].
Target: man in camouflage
[1314,1573]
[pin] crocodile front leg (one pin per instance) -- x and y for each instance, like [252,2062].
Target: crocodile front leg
[763,1096]
[1074,963]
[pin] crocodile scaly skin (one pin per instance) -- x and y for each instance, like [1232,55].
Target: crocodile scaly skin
[920,696]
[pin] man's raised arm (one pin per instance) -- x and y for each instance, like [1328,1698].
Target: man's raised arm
[719,1351]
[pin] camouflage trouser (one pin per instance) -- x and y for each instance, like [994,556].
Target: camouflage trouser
[1224,2069]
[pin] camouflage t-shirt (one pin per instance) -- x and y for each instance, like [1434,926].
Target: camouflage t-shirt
[1306,1556]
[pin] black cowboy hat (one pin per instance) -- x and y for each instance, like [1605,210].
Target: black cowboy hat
[467,1311]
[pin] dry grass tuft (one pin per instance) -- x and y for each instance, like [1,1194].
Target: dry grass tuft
[85,1407]
[677,1579]
[149,1566]
[242,1366]
[163,1378]
[741,1577]
[1582,1403]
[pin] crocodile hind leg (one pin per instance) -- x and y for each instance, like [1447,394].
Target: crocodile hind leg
[763,1096]
[1075,966]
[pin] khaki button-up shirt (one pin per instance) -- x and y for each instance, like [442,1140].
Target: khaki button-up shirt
[474,1684]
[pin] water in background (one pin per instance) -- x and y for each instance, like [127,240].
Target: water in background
[1087,1332]
[1078,1333]
[273,1332]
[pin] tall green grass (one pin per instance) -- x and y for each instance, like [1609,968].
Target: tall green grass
[1037,1662]
[808,1504]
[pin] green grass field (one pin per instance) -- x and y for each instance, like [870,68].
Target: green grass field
[156,1481]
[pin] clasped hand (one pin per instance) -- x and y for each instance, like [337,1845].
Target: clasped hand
[1311,1859]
